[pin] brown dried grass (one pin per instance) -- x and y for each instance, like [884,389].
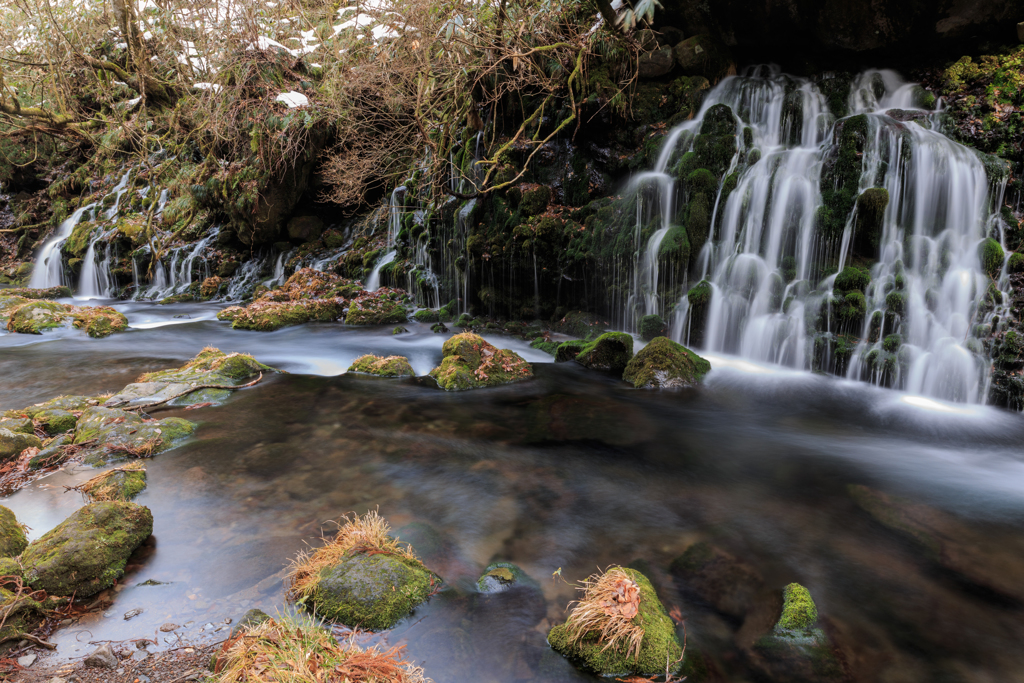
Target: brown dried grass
[368,533]
[609,607]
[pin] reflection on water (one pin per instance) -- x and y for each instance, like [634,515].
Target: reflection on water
[572,470]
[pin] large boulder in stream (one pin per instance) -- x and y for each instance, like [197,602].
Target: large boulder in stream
[627,594]
[611,351]
[87,552]
[664,364]
[470,362]
[212,368]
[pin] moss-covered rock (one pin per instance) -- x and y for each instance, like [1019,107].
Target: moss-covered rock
[13,443]
[664,364]
[12,535]
[658,646]
[56,421]
[87,552]
[568,351]
[372,591]
[470,362]
[391,366]
[717,578]
[611,351]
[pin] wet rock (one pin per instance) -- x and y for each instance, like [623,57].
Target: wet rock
[372,591]
[611,351]
[969,555]
[13,443]
[719,579]
[381,307]
[664,364]
[470,362]
[87,552]
[658,645]
[796,651]
[12,535]
[392,366]
[56,421]
[117,433]
[21,425]
[102,657]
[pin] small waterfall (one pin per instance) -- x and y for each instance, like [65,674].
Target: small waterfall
[49,268]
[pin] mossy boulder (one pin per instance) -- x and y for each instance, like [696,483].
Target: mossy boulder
[499,577]
[13,443]
[372,591]
[717,578]
[470,362]
[87,552]
[382,307]
[114,434]
[21,425]
[658,646]
[12,535]
[568,351]
[56,421]
[652,326]
[391,366]
[611,351]
[664,364]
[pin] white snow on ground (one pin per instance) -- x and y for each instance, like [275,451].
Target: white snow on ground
[293,99]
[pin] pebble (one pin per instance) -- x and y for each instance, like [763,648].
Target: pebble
[27,660]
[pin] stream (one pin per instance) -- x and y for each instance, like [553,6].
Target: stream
[573,470]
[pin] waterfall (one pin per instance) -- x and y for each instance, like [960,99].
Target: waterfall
[784,226]
[49,268]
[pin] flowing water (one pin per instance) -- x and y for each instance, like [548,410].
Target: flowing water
[572,470]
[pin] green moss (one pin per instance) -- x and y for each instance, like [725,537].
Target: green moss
[392,366]
[658,646]
[852,279]
[652,326]
[665,364]
[372,591]
[798,609]
[12,535]
[611,351]
[991,254]
[87,552]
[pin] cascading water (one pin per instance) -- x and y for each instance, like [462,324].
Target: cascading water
[796,208]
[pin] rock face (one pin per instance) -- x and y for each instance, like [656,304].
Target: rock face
[13,443]
[658,645]
[372,591]
[392,366]
[470,362]
[12,535]
[87,552]
[611,351]
[664,364]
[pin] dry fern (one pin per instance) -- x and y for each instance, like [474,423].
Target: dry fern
[610,603]
[368,533]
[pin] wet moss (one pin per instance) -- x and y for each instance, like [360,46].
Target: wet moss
[12,534]
[391,366]
[658,646]
[611,351]
[664,364]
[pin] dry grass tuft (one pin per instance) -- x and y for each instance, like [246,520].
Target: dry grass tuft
[356,534]
[609,605]
[288,650]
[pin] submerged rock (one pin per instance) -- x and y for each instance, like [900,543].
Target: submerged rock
[717,578]
[611,351]
[659,646]
[87,552]
[470,362]
[392,366]
[12,535]
[13,443]
[949,543]
[664,364]
[372,591]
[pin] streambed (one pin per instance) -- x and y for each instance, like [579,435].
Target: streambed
[572,470]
